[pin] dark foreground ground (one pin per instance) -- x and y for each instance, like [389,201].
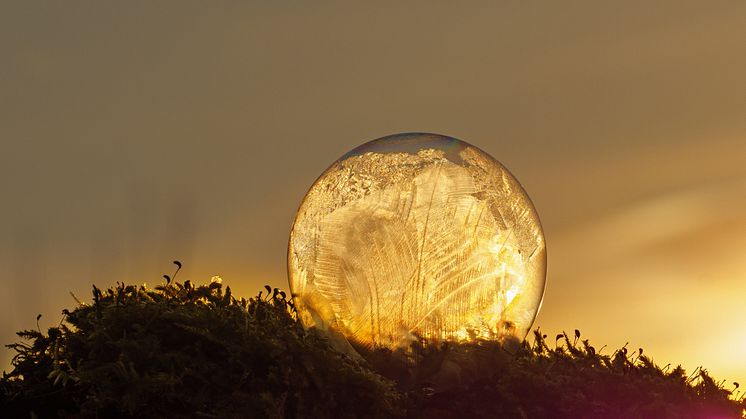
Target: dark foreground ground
[185,351]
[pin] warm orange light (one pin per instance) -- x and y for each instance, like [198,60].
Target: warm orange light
[417,234]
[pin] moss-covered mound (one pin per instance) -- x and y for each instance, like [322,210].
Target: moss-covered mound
[181,351]
[570,379]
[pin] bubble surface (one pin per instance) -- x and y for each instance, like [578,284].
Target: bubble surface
[417,236]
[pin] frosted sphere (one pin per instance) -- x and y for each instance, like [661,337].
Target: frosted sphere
[417,236]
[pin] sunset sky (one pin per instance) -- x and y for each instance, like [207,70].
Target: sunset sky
[136,133]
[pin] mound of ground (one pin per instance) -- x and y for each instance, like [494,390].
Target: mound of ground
[181,351]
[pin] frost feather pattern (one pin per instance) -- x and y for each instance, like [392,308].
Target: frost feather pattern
[392,245]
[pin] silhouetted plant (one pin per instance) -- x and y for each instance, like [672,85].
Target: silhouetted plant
[570,380]
[181,350]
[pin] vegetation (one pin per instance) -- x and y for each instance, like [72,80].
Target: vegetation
[569,380]
[186,351]
[181,350]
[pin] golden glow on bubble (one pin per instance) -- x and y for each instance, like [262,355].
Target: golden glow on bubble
[417,235]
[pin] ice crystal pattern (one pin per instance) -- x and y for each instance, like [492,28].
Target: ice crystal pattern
[417,235]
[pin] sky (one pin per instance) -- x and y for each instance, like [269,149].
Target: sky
[136,133]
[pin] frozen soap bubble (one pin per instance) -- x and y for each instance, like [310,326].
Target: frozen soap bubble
[417,236]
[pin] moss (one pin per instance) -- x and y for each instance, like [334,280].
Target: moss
[186,351]
[181,350]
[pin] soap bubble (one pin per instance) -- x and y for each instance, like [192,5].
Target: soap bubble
[417,236]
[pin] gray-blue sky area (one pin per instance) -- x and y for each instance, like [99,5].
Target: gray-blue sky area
[136,133]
